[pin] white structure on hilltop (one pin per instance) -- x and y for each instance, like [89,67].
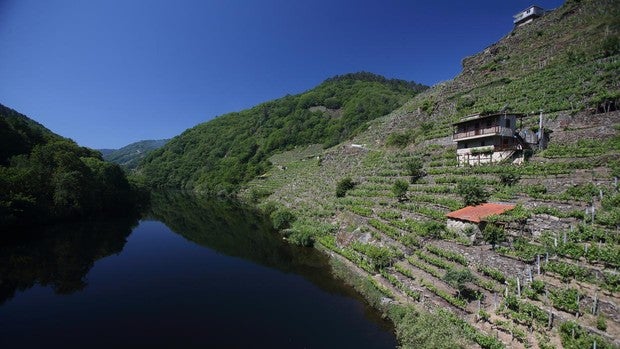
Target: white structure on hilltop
[528,15]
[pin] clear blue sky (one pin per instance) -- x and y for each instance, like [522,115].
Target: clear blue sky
[110,72]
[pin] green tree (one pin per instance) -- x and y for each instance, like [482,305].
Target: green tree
[343,186]
[458,278]
[415,169]
[472,191]
[493,234]
[282,218]
[399,189]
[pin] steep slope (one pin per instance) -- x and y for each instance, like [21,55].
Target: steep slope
[129,156]
[566,63]
[46,177]
[19,134]
[221,154]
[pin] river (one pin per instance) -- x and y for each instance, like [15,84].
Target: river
[193,272]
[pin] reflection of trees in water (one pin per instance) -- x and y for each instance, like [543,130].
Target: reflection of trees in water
[60,256]
[240,231]
[230,228]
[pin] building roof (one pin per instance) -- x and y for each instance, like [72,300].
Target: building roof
[529,7]
[484,116]
[476,214]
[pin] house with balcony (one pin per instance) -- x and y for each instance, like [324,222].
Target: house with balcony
[528,15]
[486,139]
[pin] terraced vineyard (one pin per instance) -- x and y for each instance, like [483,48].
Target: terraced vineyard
[553,281]
[525,293]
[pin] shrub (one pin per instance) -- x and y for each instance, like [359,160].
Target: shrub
[282,218]
[415,169]
[301,237]
[424,330]
[484,316]
[493,234]
[538,286]
[257,194]
[269,207]
[601,324]
[465,102]
[397,139]
[610,45]
[535,190]
[400,188]
[509,179]
[472,192]
[379,257]
[457,278]
[565,299]
[343,186]
[493,273]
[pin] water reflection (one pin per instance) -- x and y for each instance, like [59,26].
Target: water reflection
[213,274]
[240,231]
[59,256]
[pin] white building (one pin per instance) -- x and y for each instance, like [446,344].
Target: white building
[528,15]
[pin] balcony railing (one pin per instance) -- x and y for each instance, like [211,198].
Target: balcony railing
[493,130]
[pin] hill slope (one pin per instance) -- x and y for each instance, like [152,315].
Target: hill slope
[129,156]
[566,63]
[223,153]
[46,177]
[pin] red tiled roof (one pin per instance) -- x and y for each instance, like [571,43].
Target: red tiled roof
[478,213]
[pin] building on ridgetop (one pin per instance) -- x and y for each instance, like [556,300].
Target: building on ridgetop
[528,15]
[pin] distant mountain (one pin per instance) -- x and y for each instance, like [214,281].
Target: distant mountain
[106,152]
[129,156]
[232,149]
[46,177]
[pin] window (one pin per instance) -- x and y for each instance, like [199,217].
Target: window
[508,123]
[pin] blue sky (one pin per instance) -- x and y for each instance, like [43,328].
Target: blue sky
[110,72]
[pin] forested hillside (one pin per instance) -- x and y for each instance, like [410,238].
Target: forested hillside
[46,177]
[219,155]
[129,156]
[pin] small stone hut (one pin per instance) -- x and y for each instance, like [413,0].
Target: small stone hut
[470,220]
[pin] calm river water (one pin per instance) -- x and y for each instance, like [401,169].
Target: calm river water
[192,273]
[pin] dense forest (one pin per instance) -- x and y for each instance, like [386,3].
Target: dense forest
[219,155]
[45,177]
